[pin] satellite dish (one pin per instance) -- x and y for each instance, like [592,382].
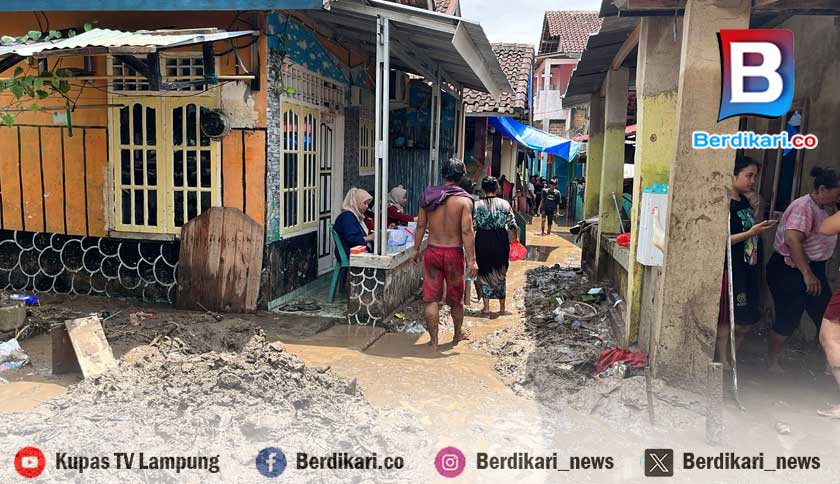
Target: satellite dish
[215,124]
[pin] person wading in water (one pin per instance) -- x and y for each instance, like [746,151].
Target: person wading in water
[446,211]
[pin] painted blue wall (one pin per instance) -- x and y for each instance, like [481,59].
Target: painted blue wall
[287,35]
[148,5]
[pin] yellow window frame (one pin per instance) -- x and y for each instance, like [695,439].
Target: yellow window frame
[117,148]
[305,154]
[165,150]
[366,159]
[170,104]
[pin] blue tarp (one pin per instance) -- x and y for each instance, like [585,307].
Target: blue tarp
[536,139]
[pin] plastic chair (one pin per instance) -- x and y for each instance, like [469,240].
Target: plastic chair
[343,263]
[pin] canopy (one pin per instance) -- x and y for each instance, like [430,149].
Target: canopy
[536,139]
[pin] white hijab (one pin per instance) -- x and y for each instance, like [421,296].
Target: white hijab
[355,197]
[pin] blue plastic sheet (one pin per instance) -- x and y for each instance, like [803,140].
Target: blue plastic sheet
[536,139]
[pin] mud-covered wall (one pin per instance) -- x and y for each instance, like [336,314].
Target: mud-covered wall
[288,264]
[376,293]
[66,264]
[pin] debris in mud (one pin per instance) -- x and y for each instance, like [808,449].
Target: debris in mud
[12,356]
[211,388]
[411,319]
[553,353]
[623,401]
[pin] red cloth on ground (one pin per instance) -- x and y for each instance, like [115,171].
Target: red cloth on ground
[611,356]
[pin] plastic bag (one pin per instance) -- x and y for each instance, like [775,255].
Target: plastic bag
[517,251]
[12,356]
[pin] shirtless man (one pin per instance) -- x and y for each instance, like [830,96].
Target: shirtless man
[446,211]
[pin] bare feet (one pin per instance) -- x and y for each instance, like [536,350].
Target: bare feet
[463,335]
[832,413]
[433,344]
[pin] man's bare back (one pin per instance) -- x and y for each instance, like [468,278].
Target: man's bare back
[445,222]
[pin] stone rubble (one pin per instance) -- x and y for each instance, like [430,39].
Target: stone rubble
[233,394]
[551,356]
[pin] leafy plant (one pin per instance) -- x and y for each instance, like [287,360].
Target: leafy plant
[27,89]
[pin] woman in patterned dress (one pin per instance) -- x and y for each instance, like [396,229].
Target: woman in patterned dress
[493,219]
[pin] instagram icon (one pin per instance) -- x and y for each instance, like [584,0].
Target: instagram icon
[450,462]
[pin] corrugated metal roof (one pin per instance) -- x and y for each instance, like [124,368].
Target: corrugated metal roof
[106,38]
[460,47]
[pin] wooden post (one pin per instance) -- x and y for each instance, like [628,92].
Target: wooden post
[700,182]
[714,408]
[657,79]
[612,162]
[594,156]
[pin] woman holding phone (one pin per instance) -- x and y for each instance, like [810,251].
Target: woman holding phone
[796,271]
[744,233]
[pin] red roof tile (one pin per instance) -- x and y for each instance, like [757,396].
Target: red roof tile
[516,61]
[571,28]
[443,6]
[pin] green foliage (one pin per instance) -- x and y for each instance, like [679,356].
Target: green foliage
[28,89]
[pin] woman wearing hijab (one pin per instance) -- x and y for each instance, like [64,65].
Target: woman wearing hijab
[350,225]
[397,200]
[493,219]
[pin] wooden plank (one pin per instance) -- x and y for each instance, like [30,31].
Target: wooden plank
[92,348]
[627,47]
[75,202]
[63,355]
[255,175]
[10,179]
[52,164]
[233,183]
[30,169]
[96,156]
[220,261]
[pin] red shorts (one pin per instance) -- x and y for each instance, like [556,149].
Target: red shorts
[443,264]
[832,311]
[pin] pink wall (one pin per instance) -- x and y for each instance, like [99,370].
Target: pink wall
[560,75]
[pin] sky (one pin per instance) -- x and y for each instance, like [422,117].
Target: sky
[517,20]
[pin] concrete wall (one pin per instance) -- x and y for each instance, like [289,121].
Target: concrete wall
[352,178]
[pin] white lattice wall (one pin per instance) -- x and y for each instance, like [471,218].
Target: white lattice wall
[311,88]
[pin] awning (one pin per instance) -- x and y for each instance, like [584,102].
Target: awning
[155,5]
[105,41]
[536,139]
[596,60]
[421,41]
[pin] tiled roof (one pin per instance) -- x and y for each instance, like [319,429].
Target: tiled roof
[572,27]
[516,60]
[446,6]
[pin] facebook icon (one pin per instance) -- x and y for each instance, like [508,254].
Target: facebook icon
[271,462]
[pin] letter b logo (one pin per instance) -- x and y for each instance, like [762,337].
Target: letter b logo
[757,72]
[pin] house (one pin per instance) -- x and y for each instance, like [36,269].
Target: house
[486,150]
[563,39]
[157,116]
[669,53]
